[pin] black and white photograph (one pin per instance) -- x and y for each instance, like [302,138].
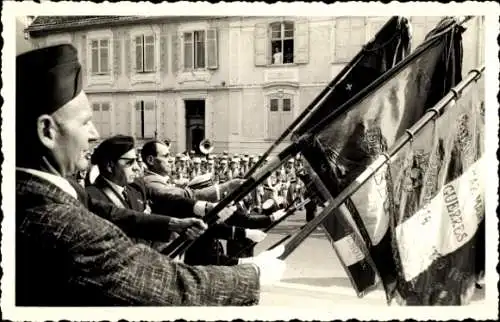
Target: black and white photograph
[235,161]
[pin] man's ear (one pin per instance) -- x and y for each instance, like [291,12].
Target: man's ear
[149,160]
[109,167]
[46,130]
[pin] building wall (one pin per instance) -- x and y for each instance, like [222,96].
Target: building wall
[237,91]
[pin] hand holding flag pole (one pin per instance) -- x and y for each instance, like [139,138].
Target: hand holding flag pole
[289,210]
[179,245]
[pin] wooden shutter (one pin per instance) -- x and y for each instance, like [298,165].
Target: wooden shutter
[188,50]
[301,42]
[163,51]
[421,26]
[104,56]
[212,49]
[273,119]
[94,56]
[419,31]
[128,54]
[350,36]
[175,52]
[149,119]
[286,114]
[117,53]
[96,117]
[105,119]
[149,53]
[137,43]
[261,47]
[374,26]
[138,119]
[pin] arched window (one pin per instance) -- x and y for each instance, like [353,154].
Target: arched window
[282,34]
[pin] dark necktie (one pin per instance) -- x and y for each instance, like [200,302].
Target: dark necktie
[125,196]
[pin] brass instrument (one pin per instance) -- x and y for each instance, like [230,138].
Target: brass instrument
[206,146]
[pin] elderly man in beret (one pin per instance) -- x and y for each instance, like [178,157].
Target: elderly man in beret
[65,254]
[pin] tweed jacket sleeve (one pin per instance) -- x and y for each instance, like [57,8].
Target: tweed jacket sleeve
[105,260]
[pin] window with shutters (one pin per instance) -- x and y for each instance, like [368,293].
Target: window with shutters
[200,49]
[280,114]
[100,56]
[101,117]
[145,119]
[282,42]
[145,53]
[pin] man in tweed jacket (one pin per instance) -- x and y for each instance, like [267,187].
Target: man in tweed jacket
[68,256]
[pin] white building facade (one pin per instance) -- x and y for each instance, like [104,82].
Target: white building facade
[239,81]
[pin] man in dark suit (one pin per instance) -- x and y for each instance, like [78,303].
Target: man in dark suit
[65,254]
[157,175]
[207,250]
[136,223]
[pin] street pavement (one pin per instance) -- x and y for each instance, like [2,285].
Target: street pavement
[314,277]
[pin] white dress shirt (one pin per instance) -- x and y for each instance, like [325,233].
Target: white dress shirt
[58,181]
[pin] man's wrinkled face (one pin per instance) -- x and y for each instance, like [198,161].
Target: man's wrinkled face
[126,169]
[72,129]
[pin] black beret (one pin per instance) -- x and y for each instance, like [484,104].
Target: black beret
[47,79]
[111,149]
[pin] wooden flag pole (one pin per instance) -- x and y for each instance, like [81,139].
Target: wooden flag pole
[179,245]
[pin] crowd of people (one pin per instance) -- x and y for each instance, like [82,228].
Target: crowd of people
[95,227]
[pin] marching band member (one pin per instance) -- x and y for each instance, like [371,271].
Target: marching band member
[234,171]
[211,167]
[196,169]
[223,172]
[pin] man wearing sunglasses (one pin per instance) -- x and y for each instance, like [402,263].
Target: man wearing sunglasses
[118,183]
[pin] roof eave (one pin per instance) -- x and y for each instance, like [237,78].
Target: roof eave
[39,30]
